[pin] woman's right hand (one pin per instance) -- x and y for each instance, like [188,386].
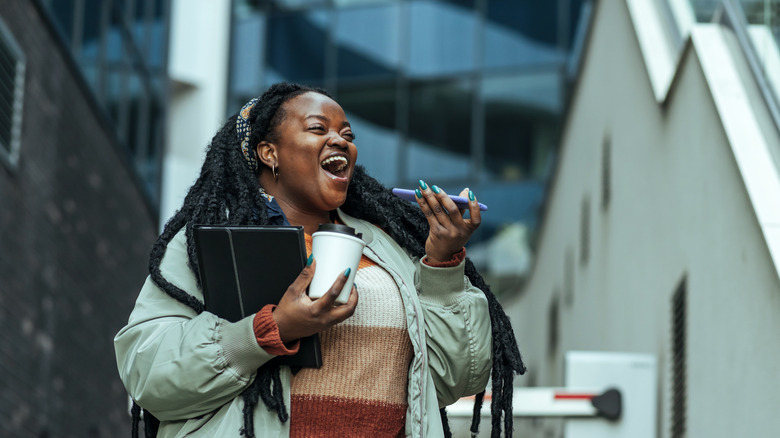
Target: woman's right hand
[298,316]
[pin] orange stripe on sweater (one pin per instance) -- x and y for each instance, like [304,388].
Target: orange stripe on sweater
[322,416]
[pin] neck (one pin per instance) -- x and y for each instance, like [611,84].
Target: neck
[309,220]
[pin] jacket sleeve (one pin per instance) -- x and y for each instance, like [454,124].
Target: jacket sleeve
[178,364]
[458,331]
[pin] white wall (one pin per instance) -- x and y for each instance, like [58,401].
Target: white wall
[198,67]
[679,209]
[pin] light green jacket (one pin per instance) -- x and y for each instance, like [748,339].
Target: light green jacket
[189,369]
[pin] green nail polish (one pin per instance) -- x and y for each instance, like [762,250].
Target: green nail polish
[309,260]
[436,189]
[471,196]
[418,193]
[423,185]
[346,273]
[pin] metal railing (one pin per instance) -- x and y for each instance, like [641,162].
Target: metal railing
[756,26]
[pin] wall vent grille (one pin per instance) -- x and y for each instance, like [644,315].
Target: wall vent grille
[553,326]
[568,276]
[606,173]
[679,380]
[12,68]
[585,231]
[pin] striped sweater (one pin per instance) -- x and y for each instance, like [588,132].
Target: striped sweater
[360,391]
[361,388]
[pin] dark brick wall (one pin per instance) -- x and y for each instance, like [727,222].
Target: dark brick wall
[74,239]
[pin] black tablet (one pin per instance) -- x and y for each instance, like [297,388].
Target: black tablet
[244,268]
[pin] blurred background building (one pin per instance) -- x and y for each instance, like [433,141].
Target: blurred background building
[627,150]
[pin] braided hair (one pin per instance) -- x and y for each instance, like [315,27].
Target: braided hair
[227,192]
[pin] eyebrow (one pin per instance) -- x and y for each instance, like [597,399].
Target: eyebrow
[345,124]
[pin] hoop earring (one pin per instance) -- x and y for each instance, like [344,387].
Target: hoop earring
[273,170]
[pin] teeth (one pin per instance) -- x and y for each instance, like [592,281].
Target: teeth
[332,159]
[343,160]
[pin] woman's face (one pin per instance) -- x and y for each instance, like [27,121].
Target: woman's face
[315,152]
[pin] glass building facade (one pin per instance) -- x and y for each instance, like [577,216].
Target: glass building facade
[455,92]
[120,47]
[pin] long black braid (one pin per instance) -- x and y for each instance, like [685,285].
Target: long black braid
[227,192]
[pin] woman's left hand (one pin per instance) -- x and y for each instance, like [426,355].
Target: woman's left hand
[449,230]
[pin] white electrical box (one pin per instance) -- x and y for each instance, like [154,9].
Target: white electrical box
[633,375]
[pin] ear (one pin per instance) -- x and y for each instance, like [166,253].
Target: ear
[266,153]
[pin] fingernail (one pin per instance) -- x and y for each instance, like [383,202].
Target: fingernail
[346,273]
[435,189]
[471,196]
[418,193]
[309,260]
[423,185]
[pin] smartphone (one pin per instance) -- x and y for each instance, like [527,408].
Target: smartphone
[460,201]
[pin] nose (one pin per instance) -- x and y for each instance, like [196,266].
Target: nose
[337,141]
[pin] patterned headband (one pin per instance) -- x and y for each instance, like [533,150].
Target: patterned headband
[244,131]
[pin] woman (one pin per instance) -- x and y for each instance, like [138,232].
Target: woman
[420,336]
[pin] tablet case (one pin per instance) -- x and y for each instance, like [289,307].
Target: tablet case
[243,268]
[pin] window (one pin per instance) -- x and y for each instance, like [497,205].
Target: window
[63,10]
[521,124]
[372,113]
[367,42]
[439,119]
[12,67]
[522,34]
[441,38]
[299,46]
[120,48]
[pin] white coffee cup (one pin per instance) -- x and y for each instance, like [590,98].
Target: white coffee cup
[335,248]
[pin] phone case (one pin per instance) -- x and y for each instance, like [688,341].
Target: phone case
[459,200]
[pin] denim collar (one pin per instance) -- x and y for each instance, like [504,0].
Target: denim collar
[273,210]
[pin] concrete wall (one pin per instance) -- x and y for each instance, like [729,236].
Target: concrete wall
[678,211]
[198,67]
[75,235]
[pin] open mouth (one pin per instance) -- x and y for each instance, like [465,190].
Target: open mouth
[335,166]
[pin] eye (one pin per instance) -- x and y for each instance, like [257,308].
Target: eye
[349,136]
[317,128]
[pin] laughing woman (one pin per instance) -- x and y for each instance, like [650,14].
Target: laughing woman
[423,331]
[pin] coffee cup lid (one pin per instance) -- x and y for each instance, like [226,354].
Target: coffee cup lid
[339,228]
